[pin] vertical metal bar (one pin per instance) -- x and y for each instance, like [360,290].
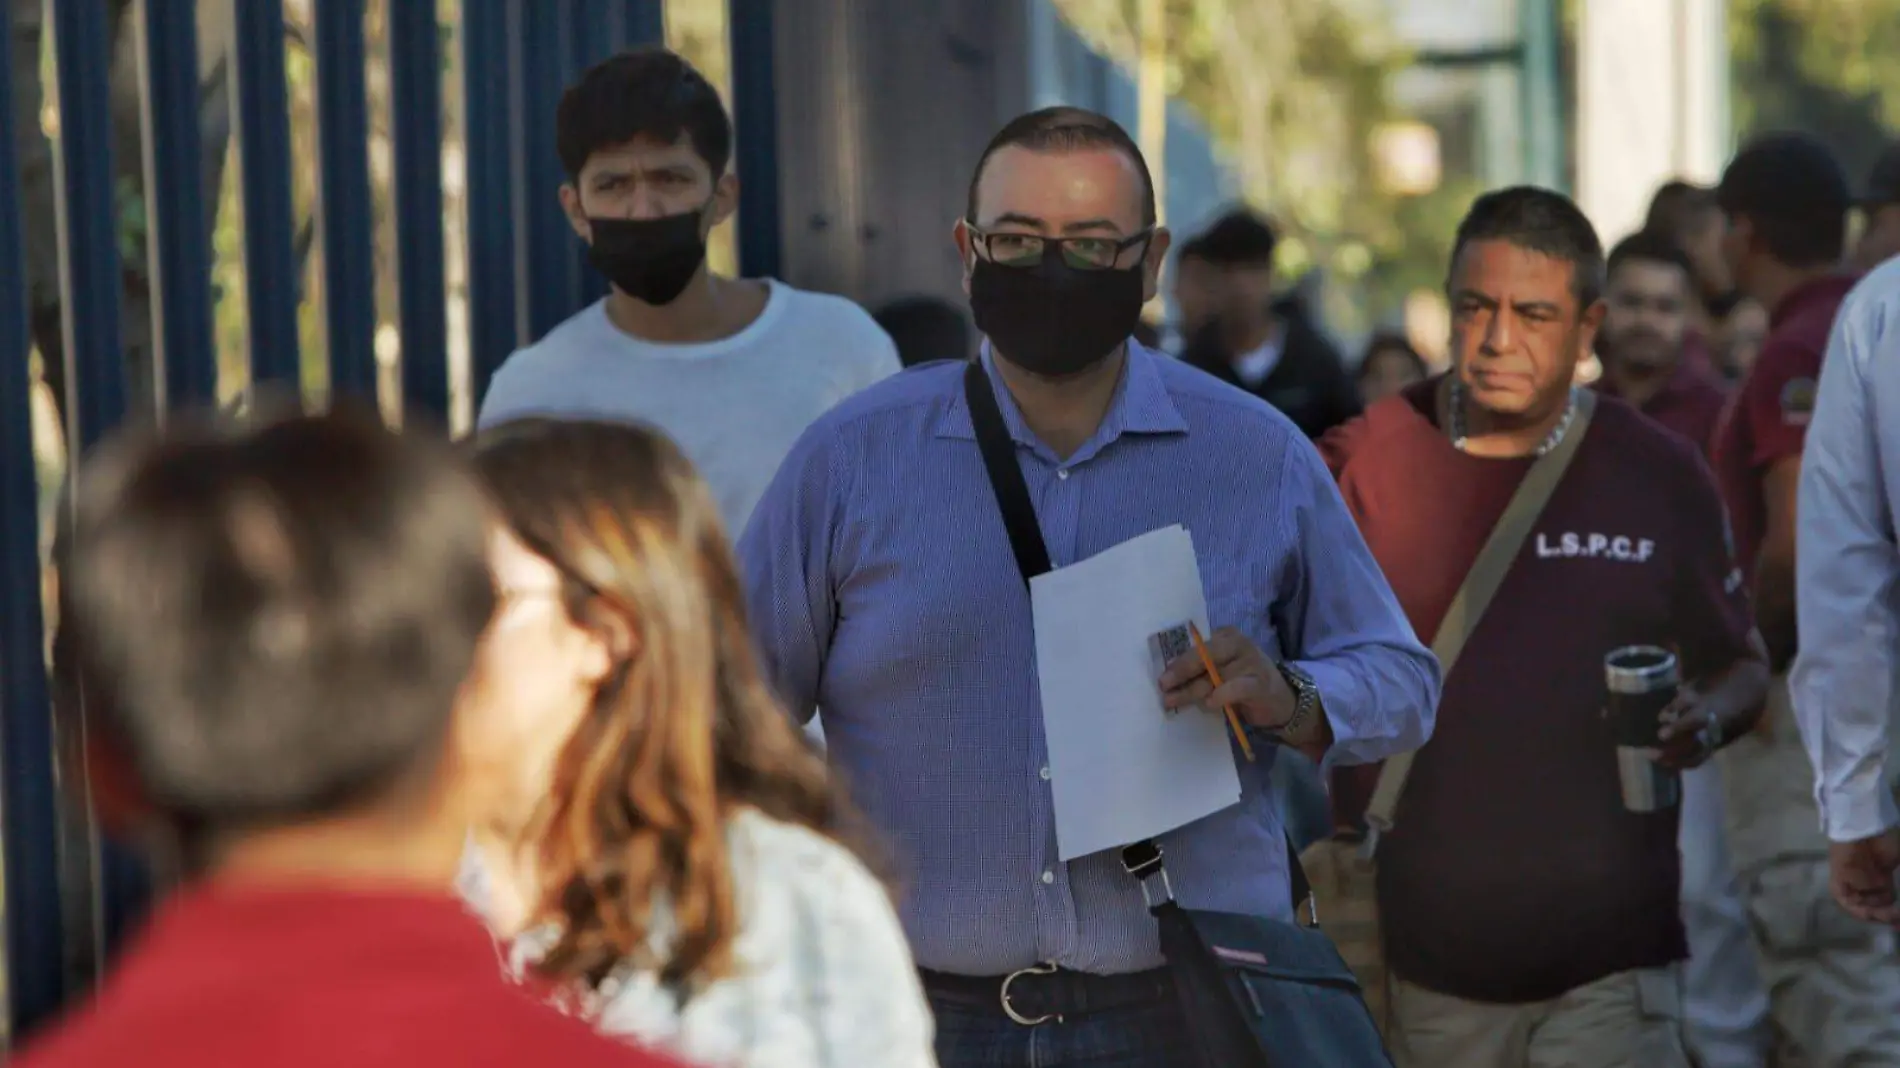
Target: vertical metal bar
[90,306]
[35,960]
[92,276]
[493,329]
[344,207]
[552,271]
[180,248]
[270,267]
[645,23]
[1540,31]
[415,101]
[598,27]
[755,118]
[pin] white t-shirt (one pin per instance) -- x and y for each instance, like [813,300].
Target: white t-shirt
[735,406]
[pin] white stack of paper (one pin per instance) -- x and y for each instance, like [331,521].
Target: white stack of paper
[1121,768]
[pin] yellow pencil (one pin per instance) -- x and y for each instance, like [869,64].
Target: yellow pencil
[1213,675]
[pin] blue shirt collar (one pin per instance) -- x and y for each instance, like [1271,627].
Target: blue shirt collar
[1142,405]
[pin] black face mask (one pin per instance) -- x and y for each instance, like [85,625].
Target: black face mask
[1053,319]
[650,260]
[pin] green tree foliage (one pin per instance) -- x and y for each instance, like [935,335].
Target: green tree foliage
[1293,90]
[1823,66]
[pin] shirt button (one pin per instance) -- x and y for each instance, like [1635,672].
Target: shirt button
[1062,473]
[1045,774]
[1048,877]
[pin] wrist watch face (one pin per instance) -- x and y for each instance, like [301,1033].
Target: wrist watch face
[1304,692]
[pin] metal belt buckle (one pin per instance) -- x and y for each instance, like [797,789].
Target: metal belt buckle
[1009,1011]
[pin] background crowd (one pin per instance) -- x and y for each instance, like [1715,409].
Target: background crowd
[498,744]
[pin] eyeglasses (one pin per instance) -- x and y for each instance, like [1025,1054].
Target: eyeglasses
[1082,253]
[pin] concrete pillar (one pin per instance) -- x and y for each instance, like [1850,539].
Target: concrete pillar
[1652,103]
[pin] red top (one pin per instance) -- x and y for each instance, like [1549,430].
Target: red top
[1514,873]
[1768,419]
[1690,403]
[318,978]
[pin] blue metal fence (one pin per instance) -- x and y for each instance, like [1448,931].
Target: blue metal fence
[26,731]
[523,271]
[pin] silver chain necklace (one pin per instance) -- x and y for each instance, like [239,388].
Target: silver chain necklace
[1457,420]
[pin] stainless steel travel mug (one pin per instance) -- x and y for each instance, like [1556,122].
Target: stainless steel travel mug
[1642,680]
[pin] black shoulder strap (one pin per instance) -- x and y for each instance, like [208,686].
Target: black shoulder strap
[1032,559]
[1006,475]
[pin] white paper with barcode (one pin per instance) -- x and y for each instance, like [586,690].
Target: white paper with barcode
[1121,769]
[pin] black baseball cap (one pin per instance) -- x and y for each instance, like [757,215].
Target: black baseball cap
[1883,182]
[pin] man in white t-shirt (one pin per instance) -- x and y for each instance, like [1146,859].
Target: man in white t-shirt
[733,370]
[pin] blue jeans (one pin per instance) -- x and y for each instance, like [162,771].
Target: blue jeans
[1147,1036]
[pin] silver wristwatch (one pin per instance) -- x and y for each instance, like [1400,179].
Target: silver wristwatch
[1305,697]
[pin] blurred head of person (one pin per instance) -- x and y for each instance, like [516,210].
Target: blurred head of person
[1525,290]
[926,329]
[1059,242]
[267,631]
[1739,336]
[1691,216]
[646,142]
[1239,246]
[1786,200]
[1389,365]
[1880,212]
[1196,289]
[1647,296]
[619,713]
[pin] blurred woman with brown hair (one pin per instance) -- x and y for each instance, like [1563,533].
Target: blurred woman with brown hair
[664,846]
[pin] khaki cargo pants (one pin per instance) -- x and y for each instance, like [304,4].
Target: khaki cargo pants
[1833,982]
[1627,1020]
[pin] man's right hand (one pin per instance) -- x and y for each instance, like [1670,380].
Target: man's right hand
[1861,874]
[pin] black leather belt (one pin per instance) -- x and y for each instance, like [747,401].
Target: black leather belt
[1048,994]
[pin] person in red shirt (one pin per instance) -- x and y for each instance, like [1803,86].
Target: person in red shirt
[1529,917]
[1645,337]
[1787,199]
[270,630]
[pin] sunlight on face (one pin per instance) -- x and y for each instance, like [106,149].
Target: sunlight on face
[1516,333]
[533,681]
[1085,193]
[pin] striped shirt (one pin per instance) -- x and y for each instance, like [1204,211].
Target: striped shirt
[883,590]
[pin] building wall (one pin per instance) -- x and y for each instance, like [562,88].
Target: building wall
[883,108]
[1652,103]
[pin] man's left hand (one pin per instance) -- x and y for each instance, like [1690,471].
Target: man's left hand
[1251,684]
[1688,731]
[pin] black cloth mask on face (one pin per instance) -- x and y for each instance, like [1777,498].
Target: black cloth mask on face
[650,260]
[1052,319]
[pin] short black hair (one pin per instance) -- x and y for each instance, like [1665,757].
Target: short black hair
[272,624]
[1795,194]
[1067,129]
[926,329]
[1883,180]
[1542,221]
[1676,205]
[647,92]
[1239,238]
[1650,246]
